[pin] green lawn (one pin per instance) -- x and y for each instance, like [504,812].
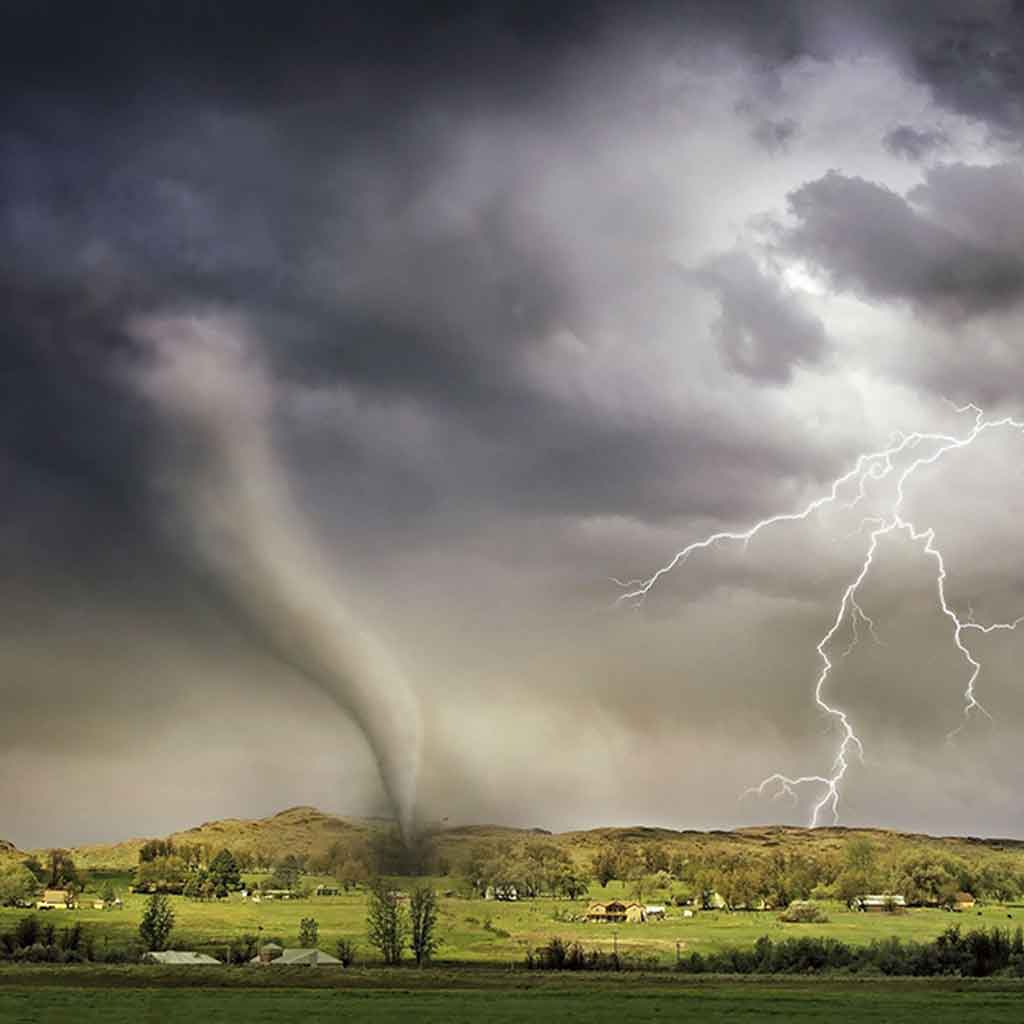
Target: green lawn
[577,999]
[463,925]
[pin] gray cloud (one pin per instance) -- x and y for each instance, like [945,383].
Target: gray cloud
[922,248]
[914,143]
[776,135]
[762,331]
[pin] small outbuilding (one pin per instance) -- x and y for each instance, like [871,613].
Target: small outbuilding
[655,912]
[964,901]
[878,903]
[179,957]
[292,957]
[507,893]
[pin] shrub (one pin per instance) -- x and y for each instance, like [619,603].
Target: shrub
[804,913]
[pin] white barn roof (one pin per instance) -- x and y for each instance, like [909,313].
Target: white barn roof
[179,956]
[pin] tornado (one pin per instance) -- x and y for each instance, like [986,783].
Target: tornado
[242,522]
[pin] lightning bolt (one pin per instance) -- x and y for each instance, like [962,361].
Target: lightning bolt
[870,469]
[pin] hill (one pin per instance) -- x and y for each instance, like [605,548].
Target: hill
[306,831]
[298,830]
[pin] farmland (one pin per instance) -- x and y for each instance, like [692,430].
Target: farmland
[129,994]
[498,932]
[479,971]
[473,930]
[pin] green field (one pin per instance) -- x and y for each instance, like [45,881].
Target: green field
[473,930]
[130,995]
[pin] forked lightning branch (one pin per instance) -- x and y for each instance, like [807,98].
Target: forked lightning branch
[907,454]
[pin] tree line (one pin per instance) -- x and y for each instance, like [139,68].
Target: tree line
[924,875]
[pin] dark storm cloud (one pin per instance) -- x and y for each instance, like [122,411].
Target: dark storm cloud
[913,143]
[454,235]
[944,248]
[971,56]
[762,331]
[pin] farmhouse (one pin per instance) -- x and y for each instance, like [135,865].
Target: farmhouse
[617,912]
[56,899]
[178,956]
[878,903]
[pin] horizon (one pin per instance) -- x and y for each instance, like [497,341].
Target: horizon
[539,829]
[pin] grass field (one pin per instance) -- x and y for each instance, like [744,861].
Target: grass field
[479,931]
[131,995]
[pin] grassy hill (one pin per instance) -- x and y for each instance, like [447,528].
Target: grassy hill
[306,830]
[298,830]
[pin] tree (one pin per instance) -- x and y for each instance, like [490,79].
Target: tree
[155,849]
[17,886]
[37,869]
[157,923]
[224,874]
[286,873]
[62,871]
[386,923]
[308,932]
[656,858]
[109,894]
[605,864]
[423,915]
[574,885]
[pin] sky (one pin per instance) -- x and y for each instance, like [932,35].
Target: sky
[350,354]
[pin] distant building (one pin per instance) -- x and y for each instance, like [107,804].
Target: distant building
[292,957]
[655,912]
[178,957]
[508,893]
[327,890]
[268,951]
[878,903]
[617,912]
[964,901]
[56,899]
[636,913]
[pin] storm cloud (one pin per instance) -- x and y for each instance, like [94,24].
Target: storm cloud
[541,296]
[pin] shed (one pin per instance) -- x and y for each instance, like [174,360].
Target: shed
[963,901]
[178,956]
[655,912]
[308,957]
[878,903]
